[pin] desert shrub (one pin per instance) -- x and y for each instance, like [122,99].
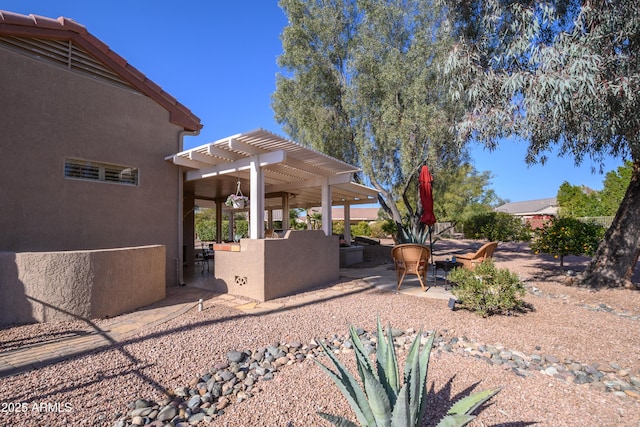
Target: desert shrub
[361,229]
[496,226]
[567,236]
[376,230]
[487,290]
[337,227]
[389,227]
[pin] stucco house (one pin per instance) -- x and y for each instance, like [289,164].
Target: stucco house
[98,192]
[532,212]
[87,196]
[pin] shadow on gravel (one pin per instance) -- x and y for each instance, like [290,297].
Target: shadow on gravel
[133,365]
[438,403]
[40,340]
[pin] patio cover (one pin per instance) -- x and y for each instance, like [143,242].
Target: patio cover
[275,173]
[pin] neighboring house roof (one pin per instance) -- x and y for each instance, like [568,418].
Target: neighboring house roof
[355,214]
[531,207]
[41,36]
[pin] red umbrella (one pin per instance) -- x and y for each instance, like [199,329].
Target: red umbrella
[426,197]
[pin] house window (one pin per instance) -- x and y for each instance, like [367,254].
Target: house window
[94,171]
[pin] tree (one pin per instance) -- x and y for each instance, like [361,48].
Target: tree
[567,236]
[614,187]
[463,192]
[563,74]
[360,81]
[578,201]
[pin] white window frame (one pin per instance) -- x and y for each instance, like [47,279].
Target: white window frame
[89,170]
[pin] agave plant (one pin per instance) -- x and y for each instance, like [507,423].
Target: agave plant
[383,402]
[413,235]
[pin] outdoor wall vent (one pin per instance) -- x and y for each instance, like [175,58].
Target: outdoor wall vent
[63,53]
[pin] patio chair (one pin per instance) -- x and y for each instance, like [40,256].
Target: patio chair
[470,260]
[411,258]
[270,233]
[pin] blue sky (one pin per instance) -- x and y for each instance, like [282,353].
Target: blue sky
[219,59]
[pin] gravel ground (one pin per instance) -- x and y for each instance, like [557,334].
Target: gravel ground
[96,389]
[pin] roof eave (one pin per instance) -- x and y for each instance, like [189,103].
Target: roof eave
[13,24]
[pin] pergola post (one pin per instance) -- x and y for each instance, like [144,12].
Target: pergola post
[232,226]
[219,204]
[347,222]
[256,199]
[326,207]
[285,212]
[270,218]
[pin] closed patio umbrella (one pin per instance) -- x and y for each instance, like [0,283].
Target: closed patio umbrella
[426,199]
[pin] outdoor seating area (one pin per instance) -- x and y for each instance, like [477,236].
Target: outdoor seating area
[411,258]
[432,267]
[205,256]
[470,260]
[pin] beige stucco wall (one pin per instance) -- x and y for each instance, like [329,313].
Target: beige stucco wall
[50,113]
[265,269]
[67,285]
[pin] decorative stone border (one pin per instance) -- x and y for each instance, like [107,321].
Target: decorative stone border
[207,395]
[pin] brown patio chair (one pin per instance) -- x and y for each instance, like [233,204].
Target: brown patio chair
[470,260]
[411,258]
[270,233]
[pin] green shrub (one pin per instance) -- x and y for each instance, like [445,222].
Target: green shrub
[361,229]
[389,227]
[382,402]
[377,230]
[242,228]
[206,230]
[337,227]
[487,290]
[496,226]
[567,236]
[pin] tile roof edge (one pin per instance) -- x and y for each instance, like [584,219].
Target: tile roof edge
[179,114]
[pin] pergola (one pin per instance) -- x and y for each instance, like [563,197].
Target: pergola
[275,173]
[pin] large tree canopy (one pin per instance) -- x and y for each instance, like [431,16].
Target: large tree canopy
[360,82]
[566,74]
[580,201]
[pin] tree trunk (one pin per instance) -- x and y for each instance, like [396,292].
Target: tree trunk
[387,203]
[614,261]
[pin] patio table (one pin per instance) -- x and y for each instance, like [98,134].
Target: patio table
[446,266]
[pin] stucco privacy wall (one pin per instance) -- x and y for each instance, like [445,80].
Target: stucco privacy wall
[54,286]
[265,269]
[50,113]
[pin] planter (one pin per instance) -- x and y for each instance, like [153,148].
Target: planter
[237,204]
[351,255]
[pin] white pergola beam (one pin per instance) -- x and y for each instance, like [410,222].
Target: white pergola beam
[243,164]
[309,168]
[316,182]
[199,157]
[183,161]
[234,144]
[222,153]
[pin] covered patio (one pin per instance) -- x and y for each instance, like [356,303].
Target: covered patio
[276,174]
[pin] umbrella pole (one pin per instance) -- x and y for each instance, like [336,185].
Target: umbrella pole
[433,260]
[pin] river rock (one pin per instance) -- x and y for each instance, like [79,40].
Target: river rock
[235,356]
